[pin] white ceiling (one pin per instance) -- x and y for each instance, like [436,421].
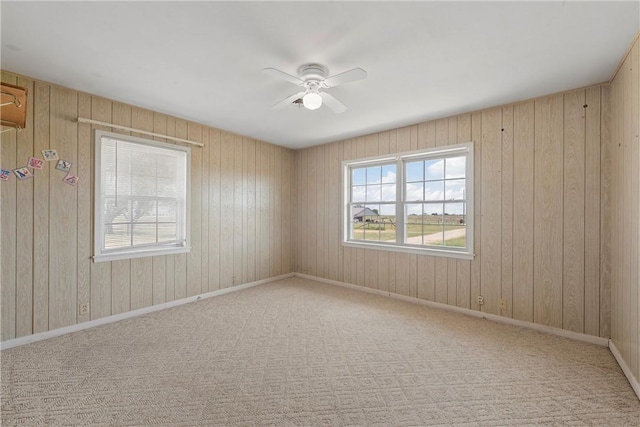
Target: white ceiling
[203,61]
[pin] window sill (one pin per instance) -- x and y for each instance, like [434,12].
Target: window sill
[410,249]
[116,256]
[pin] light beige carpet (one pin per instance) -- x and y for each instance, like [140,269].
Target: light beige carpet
[302,353]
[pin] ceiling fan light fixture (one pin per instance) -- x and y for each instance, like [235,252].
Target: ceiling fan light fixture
[312,100]
[312,78]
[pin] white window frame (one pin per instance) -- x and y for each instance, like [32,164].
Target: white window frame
[399,160]
[100,254]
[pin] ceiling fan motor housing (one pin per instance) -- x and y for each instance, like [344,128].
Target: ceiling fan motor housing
[312,72]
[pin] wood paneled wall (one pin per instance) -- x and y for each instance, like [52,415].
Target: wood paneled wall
[241,210]
[542,211]
[543,214]
[625,268]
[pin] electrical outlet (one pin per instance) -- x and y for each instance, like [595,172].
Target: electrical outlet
[480,300]
[83,308]
[503,305]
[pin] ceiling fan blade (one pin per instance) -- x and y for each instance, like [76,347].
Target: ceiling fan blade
[284,76]
[287,101]
[331,102]
[346,77]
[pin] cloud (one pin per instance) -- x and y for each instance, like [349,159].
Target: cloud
[389,177]
[414,191]
[358,193]
[434,169]
[456,167]
[374,193]
[388,192]
[454,189]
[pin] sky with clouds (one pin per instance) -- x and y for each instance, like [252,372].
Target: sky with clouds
[438,180]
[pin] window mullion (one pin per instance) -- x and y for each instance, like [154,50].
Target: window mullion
[400,191]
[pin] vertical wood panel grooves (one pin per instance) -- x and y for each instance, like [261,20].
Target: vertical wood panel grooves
[621,150]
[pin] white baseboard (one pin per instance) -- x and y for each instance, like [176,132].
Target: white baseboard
[604,342]
[117,317]
[635,385]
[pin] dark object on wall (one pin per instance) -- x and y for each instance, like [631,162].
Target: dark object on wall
[14,106]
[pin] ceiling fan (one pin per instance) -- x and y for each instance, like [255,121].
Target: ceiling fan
[313,77]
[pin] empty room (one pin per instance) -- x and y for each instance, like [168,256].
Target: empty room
[320,213]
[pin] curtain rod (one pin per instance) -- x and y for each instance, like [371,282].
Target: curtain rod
[145,132]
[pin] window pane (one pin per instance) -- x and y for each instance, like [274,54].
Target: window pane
[117,236]
[167,187]
[414,171]
[455,225]
[413,223]
[369,214]
[374,175]
[371,222]
[388,192]
[414,209]
[433,236]
[454,209]
[456,236]
[143,175]
[374,193]
[415,191]
[357,231]
[108,173]
[358,176]
[358,213]
[116,210]
[433,224]
[434,210]
[357,220]
[143,210]
[455,189]
[167,232]
[167,211]
[388,221]
[434,190]
[359,193]
[433,169]
[389,174]
[388,211]
[432,231]
[123,172]
[455,167]
[144,234]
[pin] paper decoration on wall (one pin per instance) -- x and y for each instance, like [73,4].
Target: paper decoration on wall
[36,163]
[71,179]
[50,155]
[63,165]
[5,174]
[23,173]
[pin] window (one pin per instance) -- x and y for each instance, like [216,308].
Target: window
[141,197]
[419,202]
